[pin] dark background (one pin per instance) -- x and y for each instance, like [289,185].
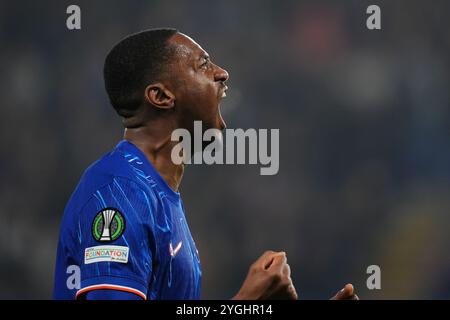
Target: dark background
[364,120]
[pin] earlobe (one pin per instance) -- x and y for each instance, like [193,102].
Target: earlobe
[159,96]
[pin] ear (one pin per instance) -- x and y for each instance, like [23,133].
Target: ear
[159,96]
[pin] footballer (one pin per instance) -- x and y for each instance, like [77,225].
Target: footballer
[124,226]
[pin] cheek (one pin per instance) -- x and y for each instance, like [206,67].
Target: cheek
[201,93]
[198,96]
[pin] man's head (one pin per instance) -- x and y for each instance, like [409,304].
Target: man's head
[161,73]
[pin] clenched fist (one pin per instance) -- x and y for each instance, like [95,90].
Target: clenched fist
[269,277]
[347,293]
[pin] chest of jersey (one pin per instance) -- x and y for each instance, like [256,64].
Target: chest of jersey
[176,268]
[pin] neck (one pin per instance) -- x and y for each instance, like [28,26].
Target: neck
[154,141]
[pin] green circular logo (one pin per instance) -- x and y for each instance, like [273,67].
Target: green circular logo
[108,225]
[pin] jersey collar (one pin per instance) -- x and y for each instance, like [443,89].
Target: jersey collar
[130,148]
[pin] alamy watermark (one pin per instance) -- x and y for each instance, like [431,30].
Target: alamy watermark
[374,280]
[235,147]
[73,21]
[373,22]
[74,277]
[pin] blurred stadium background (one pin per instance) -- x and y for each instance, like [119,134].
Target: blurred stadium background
[364,120]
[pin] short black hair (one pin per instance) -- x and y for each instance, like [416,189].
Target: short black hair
[132,64]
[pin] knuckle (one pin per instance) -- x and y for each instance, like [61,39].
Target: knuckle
[286,282]
[276,278]
[292,292]
[254,268]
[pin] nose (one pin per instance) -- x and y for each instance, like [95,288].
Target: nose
[220,74]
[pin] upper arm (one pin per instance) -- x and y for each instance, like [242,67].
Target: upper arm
[116,242]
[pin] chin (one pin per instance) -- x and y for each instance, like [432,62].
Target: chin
[215,123]
[220,125]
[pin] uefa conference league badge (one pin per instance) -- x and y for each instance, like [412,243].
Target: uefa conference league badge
[108,225]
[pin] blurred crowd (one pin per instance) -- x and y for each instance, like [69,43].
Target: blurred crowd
[364,120]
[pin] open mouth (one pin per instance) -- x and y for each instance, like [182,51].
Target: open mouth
[223,92]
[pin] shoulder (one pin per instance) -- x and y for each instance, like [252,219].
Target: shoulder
[111,177]
[104,170]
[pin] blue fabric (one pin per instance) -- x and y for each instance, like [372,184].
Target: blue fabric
[159,256]
[111,295]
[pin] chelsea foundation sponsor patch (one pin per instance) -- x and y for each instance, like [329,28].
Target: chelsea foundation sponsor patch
[106,253]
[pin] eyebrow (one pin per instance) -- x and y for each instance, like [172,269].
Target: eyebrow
[204,56]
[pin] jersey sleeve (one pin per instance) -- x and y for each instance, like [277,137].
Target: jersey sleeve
[102,294]
[116,240]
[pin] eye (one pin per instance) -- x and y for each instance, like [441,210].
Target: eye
[204,65]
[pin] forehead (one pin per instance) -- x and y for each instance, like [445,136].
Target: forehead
[186,46]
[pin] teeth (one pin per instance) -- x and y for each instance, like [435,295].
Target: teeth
[224,94]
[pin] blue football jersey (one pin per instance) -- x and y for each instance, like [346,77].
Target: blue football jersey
[124,229]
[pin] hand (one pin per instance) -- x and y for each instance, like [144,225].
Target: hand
[269,277]
[347,293]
